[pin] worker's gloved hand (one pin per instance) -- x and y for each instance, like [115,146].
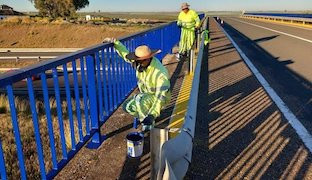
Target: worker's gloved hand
[179,23]
[109,40]
[148,120]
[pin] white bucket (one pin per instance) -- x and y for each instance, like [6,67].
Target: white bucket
[135,142]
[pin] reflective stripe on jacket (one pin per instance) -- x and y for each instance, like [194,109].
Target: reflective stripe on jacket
[154,80]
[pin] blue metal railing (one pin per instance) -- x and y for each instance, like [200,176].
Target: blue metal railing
[98,82]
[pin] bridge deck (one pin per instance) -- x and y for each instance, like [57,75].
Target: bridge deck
[240,133]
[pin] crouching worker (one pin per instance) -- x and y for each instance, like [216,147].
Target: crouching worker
[153,83]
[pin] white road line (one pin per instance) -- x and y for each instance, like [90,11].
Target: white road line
[291,118]
[280,32]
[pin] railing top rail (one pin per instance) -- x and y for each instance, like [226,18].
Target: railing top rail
[18,75]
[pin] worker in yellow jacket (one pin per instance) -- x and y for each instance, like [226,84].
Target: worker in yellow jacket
[189,21]
[153,83]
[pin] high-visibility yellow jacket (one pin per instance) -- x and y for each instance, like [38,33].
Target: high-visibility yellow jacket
[154,81]
[189,20]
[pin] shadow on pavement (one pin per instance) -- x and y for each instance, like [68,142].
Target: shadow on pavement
[295,90]
[240,133]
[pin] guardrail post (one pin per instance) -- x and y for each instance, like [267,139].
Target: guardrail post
[93,104]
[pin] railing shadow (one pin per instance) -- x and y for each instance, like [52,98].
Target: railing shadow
[294,89]
[242,134]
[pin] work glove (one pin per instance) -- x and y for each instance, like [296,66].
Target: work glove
[109,40]
[148,120]
[179,24]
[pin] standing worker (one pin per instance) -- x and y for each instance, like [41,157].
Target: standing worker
[153,83]
[189,21]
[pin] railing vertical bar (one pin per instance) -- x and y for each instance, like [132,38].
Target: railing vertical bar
[109,80]
[93,98]
[113,58]
[118,78]
[99,84]
[133,45]
[59,112]
[69,107]
[127,71]
[3,174]
[16,132]
[77,97]
[129,67]
[122,79]
[36,127]
[105,83]
[84,94]
[49,119]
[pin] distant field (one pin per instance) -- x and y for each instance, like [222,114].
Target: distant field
[59,35]
[168,16]
[68,35]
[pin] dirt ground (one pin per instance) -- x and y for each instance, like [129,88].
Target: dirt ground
[110,161]
[59,35]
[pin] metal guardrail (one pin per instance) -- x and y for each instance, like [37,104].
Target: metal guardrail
[281,14]
[176,153]
[97,94]
[280,18]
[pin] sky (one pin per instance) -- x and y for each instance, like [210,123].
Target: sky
[174,5]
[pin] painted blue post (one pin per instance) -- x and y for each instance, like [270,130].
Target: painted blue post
[69,108]
[105,84]
[16,131]
[59,112]
[136,123]
[49,119]
[114,82]
[99,85]
[92,91]
[85,96]
[132,69]
[127,66]
[77,97]
[3,174]
[122,79]
[118,77]
[36,127]
[109,79]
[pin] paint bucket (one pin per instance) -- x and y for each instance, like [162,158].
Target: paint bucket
[135,142]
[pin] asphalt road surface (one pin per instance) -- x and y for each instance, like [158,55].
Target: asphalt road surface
[240,132]
[283,55]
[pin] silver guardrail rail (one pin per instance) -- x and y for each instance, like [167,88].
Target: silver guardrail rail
[284,19]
